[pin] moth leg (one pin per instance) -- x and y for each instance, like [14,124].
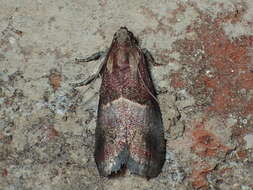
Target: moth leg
[151,62]
[149,58]
[93,57]
[90,78]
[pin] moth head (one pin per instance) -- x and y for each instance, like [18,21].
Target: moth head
[123,37]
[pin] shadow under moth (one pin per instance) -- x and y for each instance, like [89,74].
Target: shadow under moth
[129,133]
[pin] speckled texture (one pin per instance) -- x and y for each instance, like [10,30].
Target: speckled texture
[204,78]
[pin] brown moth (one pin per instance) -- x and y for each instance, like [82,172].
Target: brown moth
[129,132]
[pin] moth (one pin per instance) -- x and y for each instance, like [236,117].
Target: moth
[129,134]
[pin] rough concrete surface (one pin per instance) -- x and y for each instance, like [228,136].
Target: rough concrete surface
[203,75]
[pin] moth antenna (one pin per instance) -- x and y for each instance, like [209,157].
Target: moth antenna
[150,93]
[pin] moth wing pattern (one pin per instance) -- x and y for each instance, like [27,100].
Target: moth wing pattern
[140,148]
[147,150]
[129,132]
